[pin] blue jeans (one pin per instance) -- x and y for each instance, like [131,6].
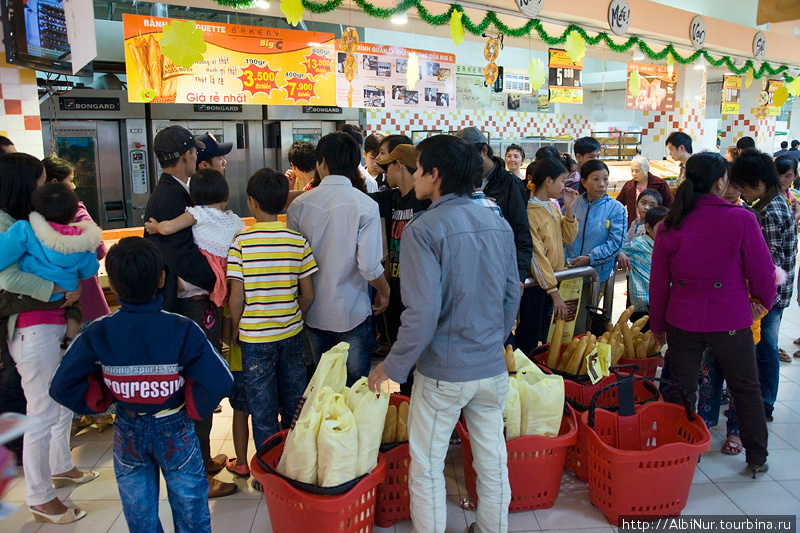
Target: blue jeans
[362,344]
[274,377]
[143,446]
[709,394]
[767,358]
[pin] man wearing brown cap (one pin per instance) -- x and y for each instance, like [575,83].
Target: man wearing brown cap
[397,206]
[189,278]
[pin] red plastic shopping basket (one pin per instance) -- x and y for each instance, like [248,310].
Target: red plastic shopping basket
[292,510]
[647,365]
[394,503]
[535,465]
[642,460]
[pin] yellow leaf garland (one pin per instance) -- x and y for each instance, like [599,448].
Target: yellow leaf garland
[780,96]
[794,86]
[293,10]
[633,83]
[748,79]
[670,64]
[412,70]
[536,74]
[575,46]
[457,27]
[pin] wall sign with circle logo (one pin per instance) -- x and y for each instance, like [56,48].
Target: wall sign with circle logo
[619,16]
[697,32]
[759,45]
[530,8]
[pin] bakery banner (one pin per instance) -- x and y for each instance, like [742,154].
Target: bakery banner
[380,79]
[731,93]
[651,88]
[565,79]
[188,62]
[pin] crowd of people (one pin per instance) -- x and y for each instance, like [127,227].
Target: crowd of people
[418,257]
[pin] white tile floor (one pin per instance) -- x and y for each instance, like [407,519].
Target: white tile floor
[720,484]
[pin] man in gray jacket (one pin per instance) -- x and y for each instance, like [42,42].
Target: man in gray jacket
[461,290]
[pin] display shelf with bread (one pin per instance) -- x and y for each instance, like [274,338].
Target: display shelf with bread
[618,145]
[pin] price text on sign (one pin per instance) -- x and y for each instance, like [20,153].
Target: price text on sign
[317,64]
[300,89]
[730,108]
[566,95]
[259,79]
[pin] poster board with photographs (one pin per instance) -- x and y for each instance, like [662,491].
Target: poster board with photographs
[380,79]
[656,88]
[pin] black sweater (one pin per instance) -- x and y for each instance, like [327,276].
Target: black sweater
[182,257]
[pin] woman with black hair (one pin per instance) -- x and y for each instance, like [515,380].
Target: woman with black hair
[46,457]
[707,254]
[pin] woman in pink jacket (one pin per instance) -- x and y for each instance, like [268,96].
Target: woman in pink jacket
[707,254]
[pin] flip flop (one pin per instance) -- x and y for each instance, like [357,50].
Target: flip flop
[731,447]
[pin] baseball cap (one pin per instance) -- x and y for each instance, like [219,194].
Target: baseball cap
[171,143]
[406,154]
[213,148]
[472,135]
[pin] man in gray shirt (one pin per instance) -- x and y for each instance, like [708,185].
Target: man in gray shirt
[460,286]
[343,228]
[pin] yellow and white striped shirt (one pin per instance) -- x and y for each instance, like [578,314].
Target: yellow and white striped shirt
[269,260]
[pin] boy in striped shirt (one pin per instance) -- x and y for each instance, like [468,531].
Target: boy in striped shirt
[269,269]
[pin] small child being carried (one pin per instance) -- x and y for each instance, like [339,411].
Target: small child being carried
[213,227]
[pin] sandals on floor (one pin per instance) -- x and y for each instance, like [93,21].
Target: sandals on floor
[796,341]
[784,356]
[757,469]
[731,447]
[237,470]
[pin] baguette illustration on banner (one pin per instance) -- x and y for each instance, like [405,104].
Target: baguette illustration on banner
[570,291]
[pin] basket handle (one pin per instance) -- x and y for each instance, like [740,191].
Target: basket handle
[269,444]
[627,382]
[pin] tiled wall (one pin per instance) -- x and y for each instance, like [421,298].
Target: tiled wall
[19,107]
[498,124]
[734,127]
[657,125]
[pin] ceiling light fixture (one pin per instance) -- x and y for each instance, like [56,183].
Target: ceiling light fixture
[400,18]
[638,55]
[261,4]
[700,64]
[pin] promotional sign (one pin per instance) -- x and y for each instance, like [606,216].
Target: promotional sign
[759,45]
[183,61]
[656,88]
[731,92]
[565,79]
[472,91]
[772,109]
[531,8]
[380,79]
[619,16]
[697,32]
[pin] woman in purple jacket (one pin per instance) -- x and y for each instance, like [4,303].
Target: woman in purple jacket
[707,254]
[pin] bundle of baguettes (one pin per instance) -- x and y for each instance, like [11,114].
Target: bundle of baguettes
[395,429]
[629,341]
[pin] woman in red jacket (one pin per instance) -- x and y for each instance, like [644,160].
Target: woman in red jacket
[707,254]
[642,179]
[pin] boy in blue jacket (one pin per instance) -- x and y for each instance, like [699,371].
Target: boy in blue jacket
[161,370]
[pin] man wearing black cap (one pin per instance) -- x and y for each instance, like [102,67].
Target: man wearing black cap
[213,155]
[189,278]
[508,192]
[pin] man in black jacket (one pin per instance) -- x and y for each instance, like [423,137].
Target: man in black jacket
[189,278]
[508,191]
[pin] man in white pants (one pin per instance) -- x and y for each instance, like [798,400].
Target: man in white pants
[461,290]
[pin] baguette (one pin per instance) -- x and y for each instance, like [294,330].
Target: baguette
[509,355]
[615,352]
[641,322]
[641,348]
[627,340]
[555,344]
[568,365]
[390,427]
[401,434]
[573,344]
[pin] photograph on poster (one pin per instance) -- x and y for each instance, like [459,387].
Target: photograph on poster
[374,96]
[411,97]
[341,57]
[370,62]
[432,69]
[401,66]
[443,74]
[431,94]
[442,99]
[385,70]
[398,92]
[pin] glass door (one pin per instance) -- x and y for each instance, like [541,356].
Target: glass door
[81,152]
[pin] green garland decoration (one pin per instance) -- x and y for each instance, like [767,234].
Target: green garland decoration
[527,29]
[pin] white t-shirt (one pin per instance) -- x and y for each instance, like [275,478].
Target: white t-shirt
[215,229]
